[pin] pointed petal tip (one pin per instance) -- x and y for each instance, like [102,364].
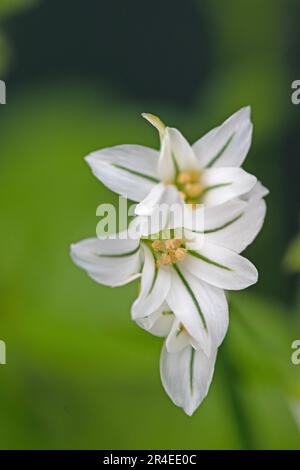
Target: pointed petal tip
[253,276]
[93,157]
[190,409]
[73,248]
[189,412]
[89,159]
[155,121]
[246,110]
[266,191]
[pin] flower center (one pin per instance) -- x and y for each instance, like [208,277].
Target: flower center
[168,251]
[189,186]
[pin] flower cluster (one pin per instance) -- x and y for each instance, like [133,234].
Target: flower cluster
[183,278]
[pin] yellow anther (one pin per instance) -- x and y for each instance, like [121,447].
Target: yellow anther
[158,245]
[193,190]
[169,244]
[188,176]
[184,177]
[172,256]
[180,254]
[195,176]
[177,242]
[165,259]
[173,243]
[169,251]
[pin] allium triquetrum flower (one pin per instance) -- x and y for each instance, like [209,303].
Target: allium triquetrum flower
[207,172]
[182,293]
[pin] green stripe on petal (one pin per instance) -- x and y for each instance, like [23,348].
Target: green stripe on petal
[136,173]
[180,330]
[220,153]
[192,368]
[227,224]
[120,255]
[188,288]
[175,164]
[221,227]
[207,260]
[215,186]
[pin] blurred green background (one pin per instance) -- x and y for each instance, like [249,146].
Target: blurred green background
[79,373]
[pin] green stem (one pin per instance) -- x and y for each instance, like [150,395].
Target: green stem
[232,379]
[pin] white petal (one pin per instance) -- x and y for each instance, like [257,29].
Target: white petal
[221,267]
[182,151]
[257,192]
[166,164]
[214,306]
[186,376]
[176,155]
[159,322]
[223,184]
[178,338]
[148,205]
[148,273]
[218,216]
[228,144]
[183,302]
[108,262]
[155,211]
[238,233]
[151,300]
[129,170]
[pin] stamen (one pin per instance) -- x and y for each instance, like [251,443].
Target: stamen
[172,256]
[173,243]
[177,242]
[184,177]
[158,245]
[188,176]
[180,254]
[165,259]
[168,251]
[169,244]
[189,185]
[193,190]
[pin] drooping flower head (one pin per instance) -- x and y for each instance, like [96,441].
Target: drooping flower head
[183,276]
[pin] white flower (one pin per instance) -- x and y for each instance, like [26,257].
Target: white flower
[208,172]
[181,297]
[182,294]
